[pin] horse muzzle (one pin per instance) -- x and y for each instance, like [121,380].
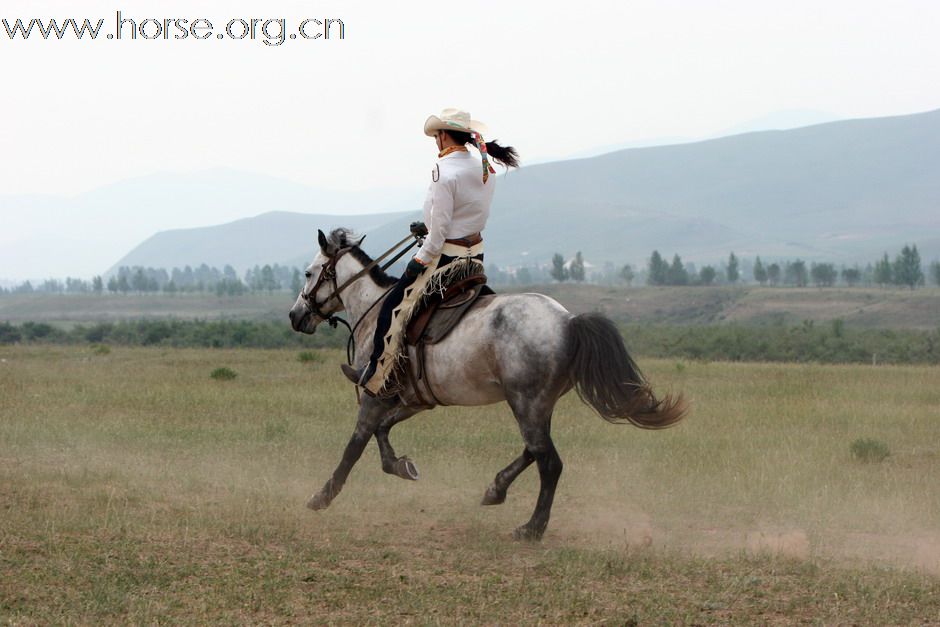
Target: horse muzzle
[302,320]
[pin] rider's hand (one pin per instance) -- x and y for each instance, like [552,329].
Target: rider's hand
[414,268]
[418,229]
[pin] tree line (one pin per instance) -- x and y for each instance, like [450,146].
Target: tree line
[905,270]
[201,279]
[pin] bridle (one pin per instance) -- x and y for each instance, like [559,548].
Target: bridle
[328,274]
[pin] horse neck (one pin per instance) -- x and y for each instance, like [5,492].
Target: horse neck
[361,293]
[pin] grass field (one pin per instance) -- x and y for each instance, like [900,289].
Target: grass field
[135,488]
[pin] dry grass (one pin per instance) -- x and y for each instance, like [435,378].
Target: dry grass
[134,488]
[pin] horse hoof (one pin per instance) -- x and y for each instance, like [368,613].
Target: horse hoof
[319,501]
[492,496]
[527,534]
[406,469]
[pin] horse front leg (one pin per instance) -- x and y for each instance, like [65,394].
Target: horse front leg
[371,414]
[402,467]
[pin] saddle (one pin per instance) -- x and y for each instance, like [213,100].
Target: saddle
[441,314]
[431,325]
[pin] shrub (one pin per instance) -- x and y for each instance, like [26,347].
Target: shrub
[101,349]
[307,357]
[223,374]
[869,450]
[9,334]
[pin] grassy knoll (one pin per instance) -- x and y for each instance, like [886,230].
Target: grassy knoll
[136,488]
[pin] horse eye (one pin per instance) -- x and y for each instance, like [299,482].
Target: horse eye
[307,274]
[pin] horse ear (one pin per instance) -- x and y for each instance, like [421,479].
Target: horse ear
[321,238]
[360,240]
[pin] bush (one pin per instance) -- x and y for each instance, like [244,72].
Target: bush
[307,357]
[9,334]
[869,450]
[223,374]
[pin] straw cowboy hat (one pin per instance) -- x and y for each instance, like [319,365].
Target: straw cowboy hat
[453,120]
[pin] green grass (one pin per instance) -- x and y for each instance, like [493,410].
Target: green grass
[134,488]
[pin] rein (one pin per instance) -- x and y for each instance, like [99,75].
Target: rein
[328,272]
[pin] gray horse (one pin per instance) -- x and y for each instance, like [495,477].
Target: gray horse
[525,349]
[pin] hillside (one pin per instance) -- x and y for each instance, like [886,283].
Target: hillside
[842,191]
[272,237]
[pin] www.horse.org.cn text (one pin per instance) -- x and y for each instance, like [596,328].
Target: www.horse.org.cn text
[270,31]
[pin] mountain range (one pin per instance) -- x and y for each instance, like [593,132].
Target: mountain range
[842,191]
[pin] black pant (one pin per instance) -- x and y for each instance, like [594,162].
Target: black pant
[382,325]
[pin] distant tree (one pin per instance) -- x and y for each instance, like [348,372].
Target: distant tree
[523,276]
[268,281]
[97,285]
[760,272]
[883,274]
[170,287]
[868,274]
[935,272]
[559,271]
[907,270]
[851,276]
[139,281]
[576,269]
[677,274]
[113,284]
[23,288]
[296,281]
[706,275]
[228,272]
[75,286]
[229,287]
[658,272]
[734,272]
[796,274]
[824,274]
[123,285]
[627,275]
[51,286]
[773,274]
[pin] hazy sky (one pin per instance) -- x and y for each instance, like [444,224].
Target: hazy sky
[551,79]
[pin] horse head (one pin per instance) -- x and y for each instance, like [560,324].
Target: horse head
[319,299]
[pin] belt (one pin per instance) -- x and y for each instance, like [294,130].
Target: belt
[468,241]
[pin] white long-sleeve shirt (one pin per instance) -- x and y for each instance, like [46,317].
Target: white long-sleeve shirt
[457,204]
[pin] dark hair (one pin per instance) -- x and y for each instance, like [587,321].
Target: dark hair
[504,155]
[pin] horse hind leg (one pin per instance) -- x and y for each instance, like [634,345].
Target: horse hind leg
[535,421]
[496,493]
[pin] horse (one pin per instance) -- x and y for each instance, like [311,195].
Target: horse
[525,349]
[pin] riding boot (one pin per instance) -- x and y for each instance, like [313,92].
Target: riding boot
[359,376]
[352,374]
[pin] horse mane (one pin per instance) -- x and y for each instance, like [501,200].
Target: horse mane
[347,238]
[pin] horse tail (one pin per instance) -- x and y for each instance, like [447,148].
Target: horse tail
[606,377]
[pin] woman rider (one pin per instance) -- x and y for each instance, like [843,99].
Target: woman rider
[455,210]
